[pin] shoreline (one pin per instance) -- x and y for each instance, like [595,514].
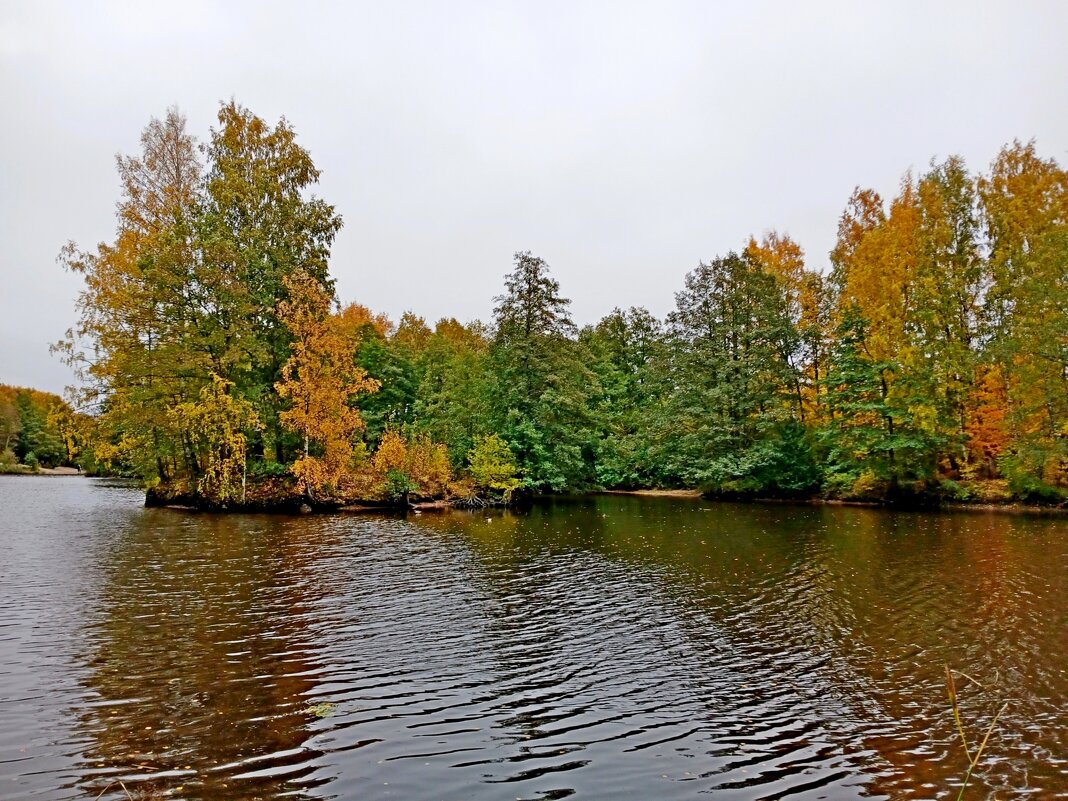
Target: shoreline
[283,502]
[654,493]
[1012,507]
[51,472]
[291,504]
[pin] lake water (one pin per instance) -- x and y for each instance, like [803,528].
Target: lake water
[604,648]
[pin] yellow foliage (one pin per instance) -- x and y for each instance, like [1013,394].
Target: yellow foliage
[865,486]
[355,319]
[1055,471]
[880,272]
[429,466]
[493,465]
[392,453]
[418,466]
[780,256]
[215,426]
[321,380]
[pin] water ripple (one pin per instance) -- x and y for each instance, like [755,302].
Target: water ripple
[607,648]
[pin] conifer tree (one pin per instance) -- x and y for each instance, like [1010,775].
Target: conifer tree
[729,419]
[540,402]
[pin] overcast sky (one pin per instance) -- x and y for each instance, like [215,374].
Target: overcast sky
[621,142]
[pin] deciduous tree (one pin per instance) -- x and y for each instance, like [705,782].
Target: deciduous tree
[321,384]
[259,226]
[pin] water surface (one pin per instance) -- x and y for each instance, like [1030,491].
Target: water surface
[613,647]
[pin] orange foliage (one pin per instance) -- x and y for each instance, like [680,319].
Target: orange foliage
[863,214]
[879,273]
[783,258]
[418,465]
[986,426]
[356,319]
[320,380]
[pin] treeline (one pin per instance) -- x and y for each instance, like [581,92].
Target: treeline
[931,359]
[38,429]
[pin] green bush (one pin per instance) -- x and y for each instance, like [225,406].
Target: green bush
[493,466]
[955,492]
[1029,488]
[32,462]
[784,464]
[264,468]
[398,485]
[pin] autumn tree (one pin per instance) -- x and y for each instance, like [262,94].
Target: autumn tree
[878,275]
[944,322]
[809,309]
[216,426]
[410,466]
[138,346]
[188,294]
[871,445]
[70,429]
[321,383]
[913,278]
[987,427]
[258,227]
[863,214]
[1025,214]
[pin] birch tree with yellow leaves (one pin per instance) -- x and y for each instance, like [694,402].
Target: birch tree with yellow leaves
[321,382]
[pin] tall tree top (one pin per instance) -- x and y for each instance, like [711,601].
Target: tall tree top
[164,181]
[258,209]
[531,305]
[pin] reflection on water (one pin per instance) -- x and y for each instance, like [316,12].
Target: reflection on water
[614,647]
[201,665]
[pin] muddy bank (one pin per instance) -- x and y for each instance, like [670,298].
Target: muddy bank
[284,495]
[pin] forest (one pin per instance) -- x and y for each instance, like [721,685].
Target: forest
[38,429]
[927,361]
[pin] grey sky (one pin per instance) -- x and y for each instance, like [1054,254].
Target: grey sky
[621,142]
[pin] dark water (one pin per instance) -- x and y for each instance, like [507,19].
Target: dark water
[608,648]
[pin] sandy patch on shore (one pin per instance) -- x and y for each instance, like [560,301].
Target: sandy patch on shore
[658,493]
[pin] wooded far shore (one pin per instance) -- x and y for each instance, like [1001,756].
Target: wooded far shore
[926,362]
